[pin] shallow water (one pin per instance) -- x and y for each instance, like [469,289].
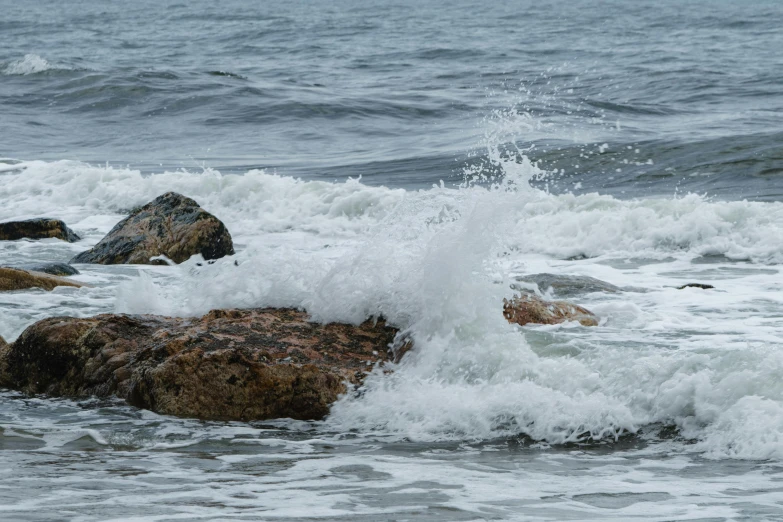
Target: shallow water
[638,144]
[110,462]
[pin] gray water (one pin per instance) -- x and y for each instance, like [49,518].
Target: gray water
[650,133]
[394,91]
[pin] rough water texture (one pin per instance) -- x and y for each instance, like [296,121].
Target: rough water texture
[16,279]
[634,142]
[228,365]
[40,228]
[171,225]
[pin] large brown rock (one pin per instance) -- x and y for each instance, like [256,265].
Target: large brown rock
[18,279]
[227,365]
[171,225]
[41,228]
[529,308]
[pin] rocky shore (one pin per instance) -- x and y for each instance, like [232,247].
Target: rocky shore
[226,365]
[229,364]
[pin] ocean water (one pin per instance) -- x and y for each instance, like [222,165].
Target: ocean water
[411,160]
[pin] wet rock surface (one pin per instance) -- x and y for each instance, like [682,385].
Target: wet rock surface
[171,225]
[572,285]
[58,269]
[226,365]
[4,349]
[569,285]
[695,285]
[40,228]
[529,308]
[17,279]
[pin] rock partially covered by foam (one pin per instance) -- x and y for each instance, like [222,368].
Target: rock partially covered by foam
[172,225]
[569,285]
[17,279]
[41,228]
[227,365]
[58,269]
[529,308]
[572,285]
[702,286]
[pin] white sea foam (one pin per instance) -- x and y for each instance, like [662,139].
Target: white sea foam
[30,64]
[438,262]
[256,202]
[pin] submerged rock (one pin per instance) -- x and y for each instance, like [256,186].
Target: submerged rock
[41,228]
[171,225]
[695,285]
[227,365]
[569,285]
[58,269]
[17,279]
[529,308]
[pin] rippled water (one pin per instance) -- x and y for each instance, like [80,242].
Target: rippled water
[108,462]
[395,91]
[412,160]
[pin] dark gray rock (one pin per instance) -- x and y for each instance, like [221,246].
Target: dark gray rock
[695,285]
[569,285]
[172,225]
[5,348]
[40,228]
[58,269]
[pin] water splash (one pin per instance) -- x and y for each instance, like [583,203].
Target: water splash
[30,64]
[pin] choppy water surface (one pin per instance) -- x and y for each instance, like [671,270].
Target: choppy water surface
[639,143]
[108,462]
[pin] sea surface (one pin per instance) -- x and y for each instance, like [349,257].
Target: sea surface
[412,160]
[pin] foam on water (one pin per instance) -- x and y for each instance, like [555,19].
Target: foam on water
[438,262]
[30,64]
[108,461]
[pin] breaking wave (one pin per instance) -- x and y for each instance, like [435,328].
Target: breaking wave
[437,262]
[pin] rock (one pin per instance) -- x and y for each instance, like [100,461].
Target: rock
[41,228]
[569,285]
[171,225]
[572,285]
[529,308]
[17,279]
[227,365]
[695,285]
[58,269]
[4,349]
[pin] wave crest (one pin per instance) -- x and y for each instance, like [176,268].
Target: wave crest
[29,64]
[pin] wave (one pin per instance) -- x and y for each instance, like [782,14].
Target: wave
[30,64]
[438,262]
[532,221]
